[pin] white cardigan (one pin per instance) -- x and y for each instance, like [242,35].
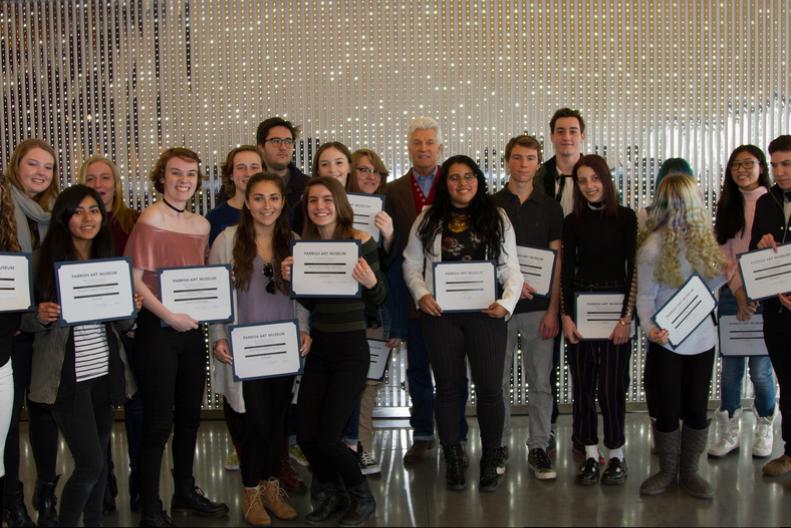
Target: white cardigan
[418,264]
[222,381]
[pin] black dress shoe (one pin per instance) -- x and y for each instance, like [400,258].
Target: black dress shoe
[45,502]
[615,472]
[189,498]
[588,474]
[14,510]
[158,519]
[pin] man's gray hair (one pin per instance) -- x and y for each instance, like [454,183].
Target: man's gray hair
[425,123]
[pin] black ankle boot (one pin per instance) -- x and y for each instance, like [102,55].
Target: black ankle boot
[489,477]
[156,517]
[328,498]
[189,498]
[362,507]
[45,502]
[134,491]
[454,467]
[14,510]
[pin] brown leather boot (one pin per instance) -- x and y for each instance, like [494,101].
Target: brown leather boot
[274,497]
[253,509]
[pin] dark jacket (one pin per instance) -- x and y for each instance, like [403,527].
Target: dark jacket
[294,190]
[546,176]
[770,219]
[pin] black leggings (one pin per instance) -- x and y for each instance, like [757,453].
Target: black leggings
[681,391]
[43,431]
[265,402]
[334,376]
[481,339]
[598,367]
[777,336]
[86,422]
[171,373]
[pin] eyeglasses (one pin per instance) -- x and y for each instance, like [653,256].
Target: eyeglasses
[746,164]
[458,178]
[269,273]
[367,170]
[289,142]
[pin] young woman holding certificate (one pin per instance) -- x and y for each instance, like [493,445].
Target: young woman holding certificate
[464,225]
[255,249]
[678,241]
[170,358]
[33,184]
[599,240]
[78,370]
[336,369]
[746,180]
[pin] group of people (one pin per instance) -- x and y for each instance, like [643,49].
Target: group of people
[72,377]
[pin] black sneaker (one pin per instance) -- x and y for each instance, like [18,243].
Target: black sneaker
[368,464]
[615,472]
[539,462]
[502,459]
[588,474]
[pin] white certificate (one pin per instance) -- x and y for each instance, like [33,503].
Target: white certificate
[766,273]
[93,291]
[685,310]
[324,269]
[464,286]
[16,289]
[598,313]
[538,267]
[202,292]
[742,338]
[380,356]
[365,208]
[265,350]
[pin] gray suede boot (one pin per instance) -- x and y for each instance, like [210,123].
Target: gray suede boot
[693,445]
[668,446]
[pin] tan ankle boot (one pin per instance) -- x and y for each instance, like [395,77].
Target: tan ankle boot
[273,498]
[253,508]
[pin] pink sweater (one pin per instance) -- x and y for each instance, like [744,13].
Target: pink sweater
[741,242]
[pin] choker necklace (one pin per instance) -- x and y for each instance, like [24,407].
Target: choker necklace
[173,206]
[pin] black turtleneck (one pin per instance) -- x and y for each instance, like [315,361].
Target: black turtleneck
[598,253]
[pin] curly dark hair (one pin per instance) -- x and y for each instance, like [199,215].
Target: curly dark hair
[485,219]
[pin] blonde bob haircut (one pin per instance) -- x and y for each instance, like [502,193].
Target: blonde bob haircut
[122,214]
[679,215]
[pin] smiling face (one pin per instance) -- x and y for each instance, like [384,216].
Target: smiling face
[368,180]
[86,221]
[35,171]
[99,176]
[265,203]
[180,180]
[462,184]
[567,137]
[745,171]
[424,150]
[321,206]
[590,184]
[334,164]
[245,164]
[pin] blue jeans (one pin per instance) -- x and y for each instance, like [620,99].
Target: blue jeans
[421,387]
[733,372]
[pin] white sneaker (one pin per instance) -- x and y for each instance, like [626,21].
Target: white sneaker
[763,439]
[727,433]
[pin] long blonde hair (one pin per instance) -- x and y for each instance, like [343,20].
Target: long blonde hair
[678,213]
[8,239]
[122,214]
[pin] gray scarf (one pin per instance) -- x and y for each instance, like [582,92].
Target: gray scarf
[24,208]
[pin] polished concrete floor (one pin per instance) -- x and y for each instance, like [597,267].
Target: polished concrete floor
[417,496]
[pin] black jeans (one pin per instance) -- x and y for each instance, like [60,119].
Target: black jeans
[265,402]
[86,423]
[171,372]
[133,410]
[598,367]
[237,424]
[682,388]
[481,339]
[777,336]
[334,376]
[43,431]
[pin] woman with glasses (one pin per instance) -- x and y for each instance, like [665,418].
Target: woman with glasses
[746,180]
[599,240]
[255,249]
[464,224]
[336,369]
